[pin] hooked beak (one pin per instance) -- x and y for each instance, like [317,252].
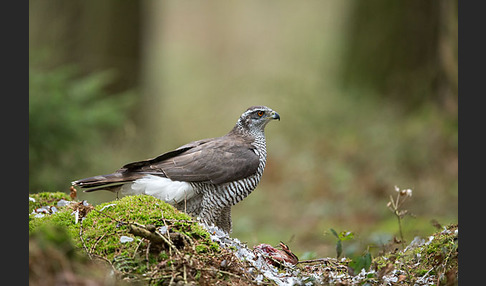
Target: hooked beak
[275,115]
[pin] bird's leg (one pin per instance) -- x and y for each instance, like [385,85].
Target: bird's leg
[224,220]
[210,211]
[185,202]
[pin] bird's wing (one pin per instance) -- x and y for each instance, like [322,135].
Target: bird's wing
[218,160]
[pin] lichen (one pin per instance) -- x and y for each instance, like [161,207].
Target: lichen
[61,217]
[43,199]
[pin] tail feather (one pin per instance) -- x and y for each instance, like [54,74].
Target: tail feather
[112,188]
[111,182]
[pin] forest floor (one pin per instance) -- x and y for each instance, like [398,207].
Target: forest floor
[140,240]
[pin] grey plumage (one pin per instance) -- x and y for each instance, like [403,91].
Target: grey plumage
[205,177]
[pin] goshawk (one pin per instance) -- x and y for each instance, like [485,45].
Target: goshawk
[204,178]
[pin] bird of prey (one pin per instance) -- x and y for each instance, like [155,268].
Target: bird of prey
[204,178]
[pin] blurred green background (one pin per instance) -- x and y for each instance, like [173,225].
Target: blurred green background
[367,93]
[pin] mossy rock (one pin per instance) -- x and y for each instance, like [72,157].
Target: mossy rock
[140,237]
[436,256]
[49,201]
[103,227]
[44,199]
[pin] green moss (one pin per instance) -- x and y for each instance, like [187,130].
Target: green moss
[214,246]
[46,199]
[110,220]
[437,256]
[113,217]
[62,217]
[202,248]
[441,252]
[50,233]
[163,255]
[99,233]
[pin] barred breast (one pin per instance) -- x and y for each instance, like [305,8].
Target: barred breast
[211,198]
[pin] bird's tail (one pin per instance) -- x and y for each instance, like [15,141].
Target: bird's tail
[110,182]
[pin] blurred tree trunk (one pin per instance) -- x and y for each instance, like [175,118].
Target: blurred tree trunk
[96,35]
[406,50]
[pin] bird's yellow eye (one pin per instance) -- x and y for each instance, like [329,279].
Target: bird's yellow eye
[260,113]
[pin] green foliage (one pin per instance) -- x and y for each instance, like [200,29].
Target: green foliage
[361,262]
[358,263]
[69,115]
[342,236]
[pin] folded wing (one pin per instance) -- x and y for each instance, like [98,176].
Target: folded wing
[219,160]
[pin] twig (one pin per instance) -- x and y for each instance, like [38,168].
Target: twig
[96,242]
[180,220]
[184,276]
[82,240]
[156,237]
[138,246]
[223,272]
[189,240]
[147,254]
[314,260]
[173,274]
[118,221]
[108,261]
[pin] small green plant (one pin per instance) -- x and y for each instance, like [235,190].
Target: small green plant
[361,262]
[342,236]
[357,263]
[395,206]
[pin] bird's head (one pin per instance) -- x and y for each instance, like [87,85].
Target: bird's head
[255,118]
